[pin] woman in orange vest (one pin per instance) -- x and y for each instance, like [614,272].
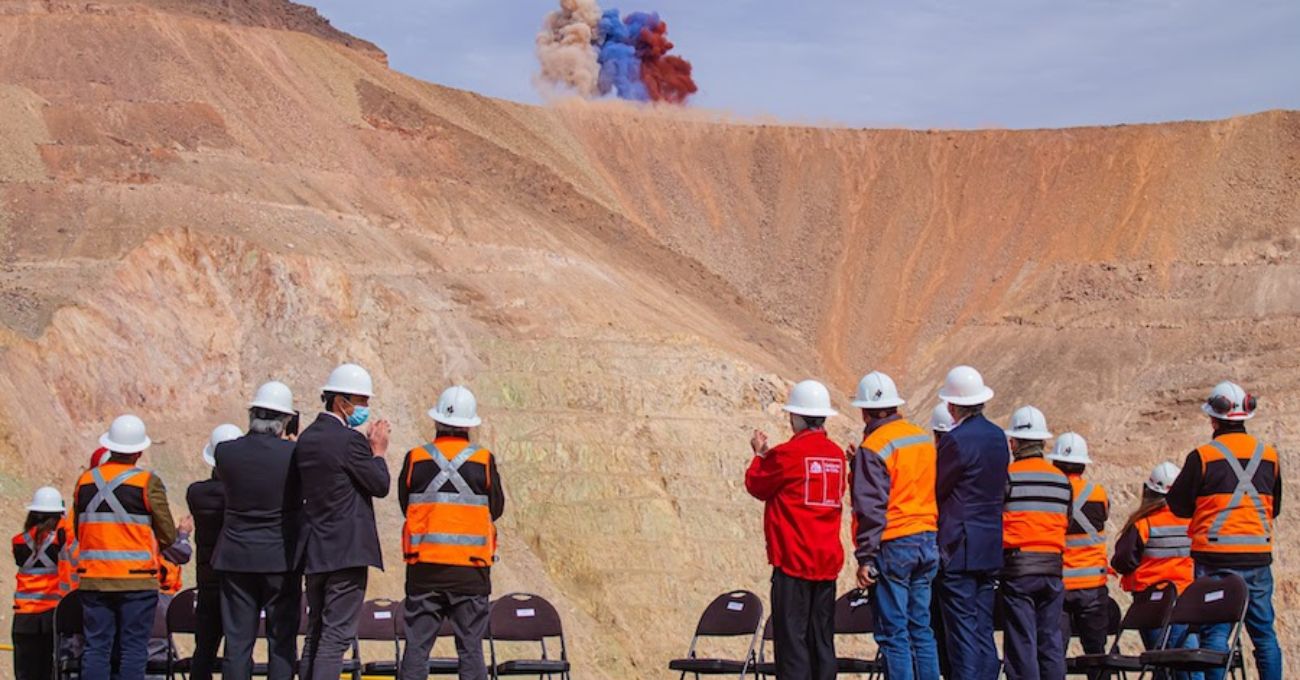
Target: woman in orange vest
[1155,547]
[36,593]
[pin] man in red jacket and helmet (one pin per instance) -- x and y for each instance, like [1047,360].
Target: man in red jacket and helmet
[802,482]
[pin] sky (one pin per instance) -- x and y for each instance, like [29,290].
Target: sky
[895,63]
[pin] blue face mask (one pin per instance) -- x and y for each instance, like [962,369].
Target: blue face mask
[359,415]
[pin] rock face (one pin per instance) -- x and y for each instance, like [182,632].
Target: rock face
[198,197]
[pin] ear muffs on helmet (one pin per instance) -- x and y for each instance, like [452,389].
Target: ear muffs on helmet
[1223,405]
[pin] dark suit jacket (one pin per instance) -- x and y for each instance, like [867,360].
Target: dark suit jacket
[207,504]
[971,486]
[263,494]
[341,477]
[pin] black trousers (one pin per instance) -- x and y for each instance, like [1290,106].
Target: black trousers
[244,597]
[803,628]
[334,600]
[1089,617]
[1032,641]
[33,637]
[424,614]
[207,633]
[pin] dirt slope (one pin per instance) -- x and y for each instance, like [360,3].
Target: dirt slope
[197,197]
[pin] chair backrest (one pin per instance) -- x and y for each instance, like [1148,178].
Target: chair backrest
[1114,616]
[68,617]
[1151,607]
[853,614]
[181,615]
[159,630]
[1220,598]
[378,620]
[731,614]
[524,617]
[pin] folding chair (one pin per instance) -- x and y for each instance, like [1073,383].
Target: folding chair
[438,665]
[1211,600]
[378,623]
[182,620]
[765,668]
[1151,609]
[735,614]
[165,665]
[853,617]
[523,617]
[68,627]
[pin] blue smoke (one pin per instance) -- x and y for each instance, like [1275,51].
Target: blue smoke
[620,67]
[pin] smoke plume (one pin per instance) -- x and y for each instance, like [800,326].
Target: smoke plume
[595,53]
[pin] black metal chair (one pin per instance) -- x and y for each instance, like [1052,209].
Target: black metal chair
[69,632]
[735,614]
[523,617]
[1212,600]
[181,619]
[377,622]
[765,668]
[166,665]
[853,617]
[1150,610]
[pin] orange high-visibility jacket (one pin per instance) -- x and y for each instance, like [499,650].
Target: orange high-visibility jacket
[1038,507]
[69,555]
[169,577]
[909,456]
[115,525]
[1166,553]
[1234,511]
[1085,540]
[36,590]
[448,522]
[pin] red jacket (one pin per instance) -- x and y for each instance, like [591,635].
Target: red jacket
[803,483]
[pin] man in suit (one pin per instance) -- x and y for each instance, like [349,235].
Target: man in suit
[258,551]
[207,503]
[971,486]
[342,472]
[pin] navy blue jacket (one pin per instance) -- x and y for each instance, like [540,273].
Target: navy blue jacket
[971,487]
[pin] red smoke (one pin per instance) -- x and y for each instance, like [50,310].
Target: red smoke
[667,78]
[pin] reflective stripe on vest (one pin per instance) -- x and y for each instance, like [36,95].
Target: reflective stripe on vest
[888,449]
[1043,487]
[38,563]
[450,472]
[1245,487]
[449,527]
[117,513]
[1083,571]
[1091,536]
[1168,541]
[447,539]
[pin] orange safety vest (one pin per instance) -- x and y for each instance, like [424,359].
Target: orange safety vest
[1085,552]
[1037,512]
[909,456]
[115,527]
[1235,517]
[1166,553]
[69,556]
[169,577]
[449,527]
[37,587]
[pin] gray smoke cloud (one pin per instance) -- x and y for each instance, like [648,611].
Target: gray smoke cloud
[565,50]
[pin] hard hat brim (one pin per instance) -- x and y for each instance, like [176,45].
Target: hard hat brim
[811,412]
[113,447]
[1077,460]
[973,400]
[453,421]
[883,403]
[209,456]
[942,428]
[36,507]
[350,391]
[273,407]
[1231,417]
[1162,492]
[1029,435]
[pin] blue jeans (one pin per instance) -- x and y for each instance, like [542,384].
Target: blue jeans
[1179,636]
[1259,623]
[125,618]
[901,604]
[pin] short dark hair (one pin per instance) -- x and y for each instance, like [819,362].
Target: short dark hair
[960,411]
[879,413]
[1070,468]
[814,422]
[449,431]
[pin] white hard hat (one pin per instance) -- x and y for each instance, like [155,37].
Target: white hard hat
[350,379]
[125,435]
[1070,447]
[457,407]
[274,396]
[1229,401]
[46,499]
[221,433]
[964,386]
[810,398]
[941,419]
[1162,477]
[1028,423]
[877,391]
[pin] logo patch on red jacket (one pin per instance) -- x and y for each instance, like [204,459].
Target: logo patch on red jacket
[823,482]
